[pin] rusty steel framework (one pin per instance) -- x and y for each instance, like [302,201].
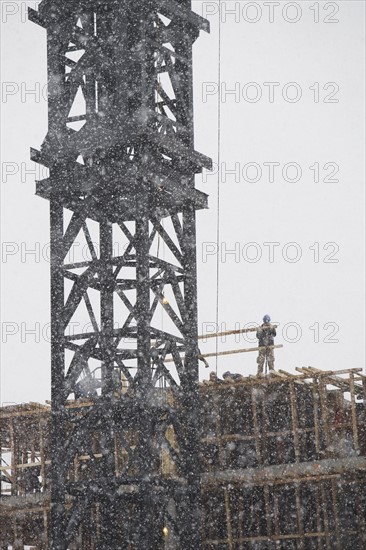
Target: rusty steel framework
[121,162]
[283,466]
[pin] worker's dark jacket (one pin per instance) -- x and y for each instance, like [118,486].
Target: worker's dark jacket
[265,335]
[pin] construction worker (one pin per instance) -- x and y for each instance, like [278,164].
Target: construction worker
[265,334]
[232,377]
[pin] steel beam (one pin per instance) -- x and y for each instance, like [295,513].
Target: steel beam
[121,162]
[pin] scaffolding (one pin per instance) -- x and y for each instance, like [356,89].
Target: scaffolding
[283,457]
[285,462]
[25,472]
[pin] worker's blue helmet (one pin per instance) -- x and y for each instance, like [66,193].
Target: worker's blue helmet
[266,319]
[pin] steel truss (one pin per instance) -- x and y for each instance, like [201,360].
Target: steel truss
[119,150]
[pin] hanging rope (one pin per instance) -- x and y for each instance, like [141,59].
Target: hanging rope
[163,257]
[218,191]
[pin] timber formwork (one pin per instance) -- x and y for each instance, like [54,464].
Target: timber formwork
[283,458]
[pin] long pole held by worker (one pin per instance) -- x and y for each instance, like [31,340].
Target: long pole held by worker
[230,332]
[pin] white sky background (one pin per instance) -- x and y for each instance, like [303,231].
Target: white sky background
[297,295]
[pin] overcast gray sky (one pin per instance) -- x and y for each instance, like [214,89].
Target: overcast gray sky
[291,186]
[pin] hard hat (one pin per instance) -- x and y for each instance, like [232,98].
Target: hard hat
[266,319]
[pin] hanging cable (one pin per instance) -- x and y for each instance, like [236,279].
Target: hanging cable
[218,189]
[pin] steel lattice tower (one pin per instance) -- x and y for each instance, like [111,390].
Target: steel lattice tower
[121,162]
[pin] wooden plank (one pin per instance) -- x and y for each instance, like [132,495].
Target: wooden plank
[21,514]
[288,472]
[343,385]
[28,465]
[287,375]
[332,378]
[273,538]
[318,372]
[259,381]
[17,414]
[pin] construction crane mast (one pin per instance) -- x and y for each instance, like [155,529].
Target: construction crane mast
[122,167]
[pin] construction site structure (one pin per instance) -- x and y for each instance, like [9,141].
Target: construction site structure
[283,466]
[122,166]
[133,453]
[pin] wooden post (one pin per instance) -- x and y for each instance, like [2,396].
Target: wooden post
[336,514]
[228,520]
[97,519]
[299,516]
[33,452]
[256,428]
[240,520]
[363,429]
[116,456]
[295,421]
[361,520]
[221,450]
[325,419]
[353,410]
[15,534]
[267,510]
[318,518]
[325,515]
[17,543]
[42,454]
[45,530]
[263,430]
[76,468]
[275,512]
[315,391]
[14,485]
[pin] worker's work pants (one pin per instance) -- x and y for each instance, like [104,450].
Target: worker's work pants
[262,355]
